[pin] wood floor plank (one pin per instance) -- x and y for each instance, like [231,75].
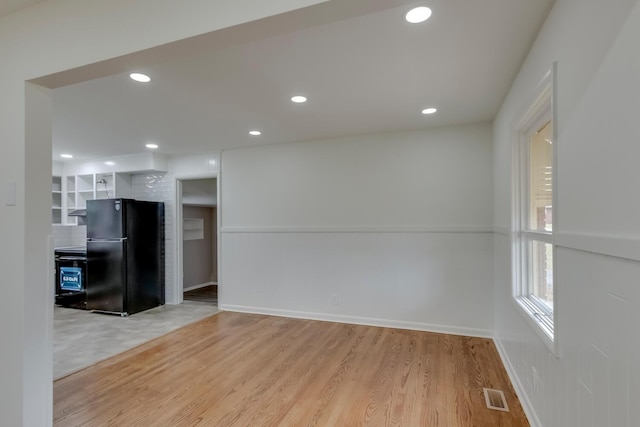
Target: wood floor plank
[236,369]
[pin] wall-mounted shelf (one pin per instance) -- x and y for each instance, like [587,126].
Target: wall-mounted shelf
[77,189]
[68,200]
[192,228]
[56,200]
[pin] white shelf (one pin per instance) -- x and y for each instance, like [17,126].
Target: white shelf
[77,189]
[68,200]
[56,184]
[70,184]
[192,228]
[85,182]
[56,216]
[56,200]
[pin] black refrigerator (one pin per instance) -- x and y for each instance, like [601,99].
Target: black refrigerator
[125,255]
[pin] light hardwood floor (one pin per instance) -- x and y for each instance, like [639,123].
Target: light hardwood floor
[251,370]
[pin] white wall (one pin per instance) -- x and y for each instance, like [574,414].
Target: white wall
[410,179]
[38,248]
[596,380]
[57,167]
[394,226]
[54,36]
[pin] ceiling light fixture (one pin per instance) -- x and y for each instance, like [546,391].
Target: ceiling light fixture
[418,15]
[66,156]
[298,99]
[109,163]
[152,146]
[142,78]
[255,133]
[430,110]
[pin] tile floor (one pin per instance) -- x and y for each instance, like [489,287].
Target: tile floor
[82,338]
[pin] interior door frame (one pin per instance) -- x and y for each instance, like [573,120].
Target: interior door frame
[179,245]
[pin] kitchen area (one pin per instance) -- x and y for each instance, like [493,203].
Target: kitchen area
[113,240]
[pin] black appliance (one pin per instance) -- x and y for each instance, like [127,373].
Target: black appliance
[71,276]
[125,255]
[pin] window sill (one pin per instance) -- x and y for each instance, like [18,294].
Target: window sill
[531,316]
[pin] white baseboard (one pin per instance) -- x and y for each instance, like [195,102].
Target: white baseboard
[523,397]
[384,323]
[201,285]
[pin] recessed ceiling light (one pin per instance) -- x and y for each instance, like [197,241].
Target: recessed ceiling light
[154,146]
[255,133]
[66,156]
[142,78]
[418,15]
[429,110]
[109,163]
[298,99]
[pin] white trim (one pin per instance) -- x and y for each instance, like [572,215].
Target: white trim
[178,224]
[557,208]
[538,327]
[533,101]
[48,329]
[201,285]
[364,229]
[219,282]
[178,263]
[542,107]
[523,397]
[537,236]
[601,244]
[367,321]
[196,175]
[502,229]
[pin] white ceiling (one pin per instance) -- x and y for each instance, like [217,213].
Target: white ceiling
[7,7]
[362,74]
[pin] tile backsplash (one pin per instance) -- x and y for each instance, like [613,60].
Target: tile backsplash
[67,235]
[160,187]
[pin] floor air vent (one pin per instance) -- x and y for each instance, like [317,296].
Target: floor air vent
[495,399]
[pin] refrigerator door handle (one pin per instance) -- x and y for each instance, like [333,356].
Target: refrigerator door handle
[107,240]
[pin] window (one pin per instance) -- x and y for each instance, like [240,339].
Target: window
[533,247]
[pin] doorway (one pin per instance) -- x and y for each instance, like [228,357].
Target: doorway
[198,251]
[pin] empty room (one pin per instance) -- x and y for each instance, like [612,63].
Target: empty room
[329,212]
